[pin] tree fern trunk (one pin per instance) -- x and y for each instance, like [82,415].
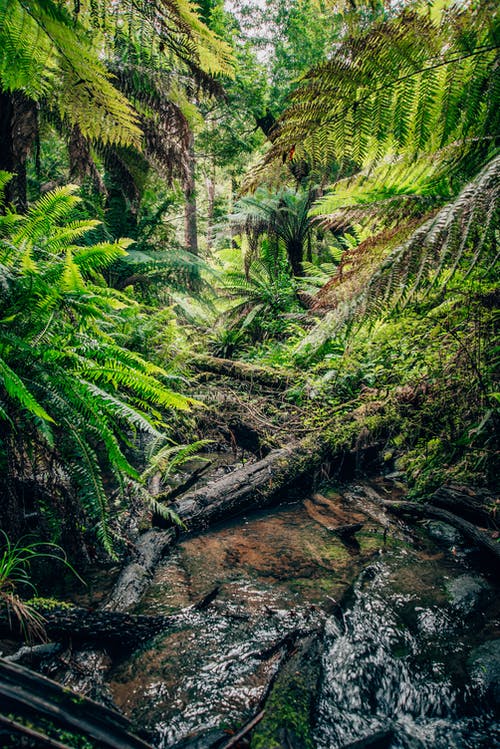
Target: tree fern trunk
[190,219]
[190,211]
[295,252]
[18,128]
[210,206]
[6,150]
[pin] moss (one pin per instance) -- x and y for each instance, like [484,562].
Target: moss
[334,551]
[289,711]
[49,604]
[369,541]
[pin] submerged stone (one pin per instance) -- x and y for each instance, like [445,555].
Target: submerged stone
[484,667]
[468,593]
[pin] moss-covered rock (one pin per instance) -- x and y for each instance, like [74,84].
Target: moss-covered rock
[290,708]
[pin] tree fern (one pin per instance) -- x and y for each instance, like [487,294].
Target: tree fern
[462,235]
[419,81]
[46,55]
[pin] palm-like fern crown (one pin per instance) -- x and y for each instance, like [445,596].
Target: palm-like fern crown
[283,215]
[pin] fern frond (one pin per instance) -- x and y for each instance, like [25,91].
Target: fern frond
[415,82]
[459,235]
[16,389]
[171,457]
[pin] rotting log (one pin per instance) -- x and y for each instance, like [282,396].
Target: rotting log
[132,581]
[87,667]
[105,627]
[473,505]
[277,379]
[470,531]
[26,693]
[254,486]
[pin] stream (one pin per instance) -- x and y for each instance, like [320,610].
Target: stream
[410,631]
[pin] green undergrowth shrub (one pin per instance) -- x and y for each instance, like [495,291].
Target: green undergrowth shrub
[155,334]
[435,361]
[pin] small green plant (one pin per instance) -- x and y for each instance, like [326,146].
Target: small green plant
[15,566]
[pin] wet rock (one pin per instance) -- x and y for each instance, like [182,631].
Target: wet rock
[444,533]
[484,667]
[208,740]
[290,708]
[468,593]
[378,740]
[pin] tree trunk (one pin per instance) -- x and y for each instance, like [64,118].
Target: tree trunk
[18,129]
[6,146]
[190,218]
[210,206]
[295,252]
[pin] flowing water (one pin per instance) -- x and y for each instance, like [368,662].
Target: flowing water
[409,661]
[398,665]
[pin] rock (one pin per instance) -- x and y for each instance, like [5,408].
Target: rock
[484,667]
[215,737]
[468,593]
[378,740]
[444,533]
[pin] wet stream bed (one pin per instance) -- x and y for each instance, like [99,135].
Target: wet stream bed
[412,655]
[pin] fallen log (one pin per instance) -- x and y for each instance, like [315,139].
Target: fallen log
[132,581]
[87,668]
[109,627]
[27,693]
[470,531]
[475,506]
[254,486]
[278,379]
